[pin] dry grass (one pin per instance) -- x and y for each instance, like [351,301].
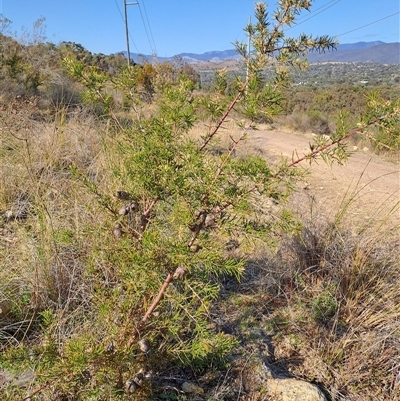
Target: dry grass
[325,307]
[46,215]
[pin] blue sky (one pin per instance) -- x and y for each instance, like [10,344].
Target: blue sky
[196,26]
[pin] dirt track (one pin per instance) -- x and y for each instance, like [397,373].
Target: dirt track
[370,181]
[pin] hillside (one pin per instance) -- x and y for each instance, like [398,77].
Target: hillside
[383,53]
[374,52]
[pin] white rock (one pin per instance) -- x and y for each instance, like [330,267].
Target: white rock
[293,390]
[22,379]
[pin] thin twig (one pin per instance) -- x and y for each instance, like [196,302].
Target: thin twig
[158,298]
[151,206]
[223,118]
[28,397]
[328,145]
[231,151]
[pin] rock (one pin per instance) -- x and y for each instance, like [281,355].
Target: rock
[191,388]
[22,379]
[5,377]
[293,390]
[261,378]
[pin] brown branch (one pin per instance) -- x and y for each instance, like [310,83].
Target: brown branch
[35,392]
[231,151]
[223,118]
[158,297]
[145,215]
[328,145]
[150,208]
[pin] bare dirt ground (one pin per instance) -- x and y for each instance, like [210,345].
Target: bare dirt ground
[368,184]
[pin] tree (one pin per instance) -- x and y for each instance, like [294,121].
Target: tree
[187,206]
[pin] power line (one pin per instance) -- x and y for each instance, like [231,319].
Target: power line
[148,23]
[316,9]
[374,22]
[145,28]
[120,13]
[314,15]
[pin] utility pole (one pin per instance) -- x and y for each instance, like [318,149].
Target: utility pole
[135,3]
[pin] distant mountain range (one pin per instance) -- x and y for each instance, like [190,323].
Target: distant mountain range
[365,52]
[374,52]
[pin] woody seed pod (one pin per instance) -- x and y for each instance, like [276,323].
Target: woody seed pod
[138,378]
[123,211]
[130,386]
[195,248]
[144,345]
[110,348]
[123,195]
[143,222]
[209,221]
[180,272]
[134,206]
[117,231]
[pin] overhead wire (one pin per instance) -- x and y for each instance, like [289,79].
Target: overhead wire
[314,15]
[345,33]
[145,29]
[148,24]
[316,9]
[371,23]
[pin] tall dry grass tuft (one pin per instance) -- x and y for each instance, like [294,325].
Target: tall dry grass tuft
[325,306]
[47,220]
[342,307]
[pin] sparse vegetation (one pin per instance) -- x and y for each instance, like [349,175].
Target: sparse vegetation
[139,256]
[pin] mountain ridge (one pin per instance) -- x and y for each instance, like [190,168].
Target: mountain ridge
[374,52]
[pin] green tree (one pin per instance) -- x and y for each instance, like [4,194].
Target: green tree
[186,205]
[183,206]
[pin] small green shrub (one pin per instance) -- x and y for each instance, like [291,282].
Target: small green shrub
[324,306]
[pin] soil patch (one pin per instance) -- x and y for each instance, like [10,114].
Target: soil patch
[367,185]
